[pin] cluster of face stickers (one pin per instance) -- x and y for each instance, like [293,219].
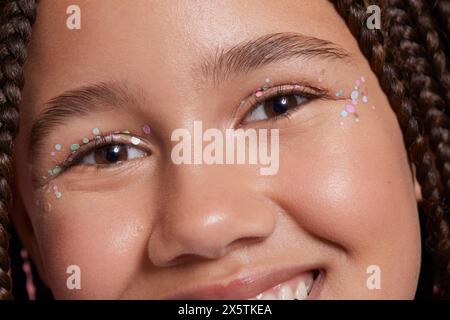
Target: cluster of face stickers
[73,148]
[358,95]
[260,91]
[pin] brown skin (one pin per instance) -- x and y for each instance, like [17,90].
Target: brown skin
[343,198]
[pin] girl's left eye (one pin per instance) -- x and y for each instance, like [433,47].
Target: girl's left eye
[275,106]
[111,154]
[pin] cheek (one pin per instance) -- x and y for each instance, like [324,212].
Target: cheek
[351,185]
[97,231]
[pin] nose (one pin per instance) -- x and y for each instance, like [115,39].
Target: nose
[204,213]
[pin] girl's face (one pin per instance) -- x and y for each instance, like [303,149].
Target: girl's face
[340,209]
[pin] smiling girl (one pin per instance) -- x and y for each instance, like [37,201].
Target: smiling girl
[356,210]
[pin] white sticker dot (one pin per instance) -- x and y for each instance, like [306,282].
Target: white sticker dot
[135,141]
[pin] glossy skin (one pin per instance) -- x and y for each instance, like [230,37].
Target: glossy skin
[342,200]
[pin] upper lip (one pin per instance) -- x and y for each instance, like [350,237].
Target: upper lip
[244,286]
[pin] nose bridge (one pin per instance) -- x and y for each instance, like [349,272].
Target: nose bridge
[204,211]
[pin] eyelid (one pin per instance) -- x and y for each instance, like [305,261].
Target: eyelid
[98,142]
[252,102]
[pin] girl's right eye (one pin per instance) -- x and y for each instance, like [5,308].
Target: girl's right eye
[111,154]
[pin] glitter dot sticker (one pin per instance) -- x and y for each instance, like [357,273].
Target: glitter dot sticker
[85,140]
[135,141]
[350,108]
[259,93]
[365,99]
[52,153]
[58,195]
[96,131]
[344,113]
[56,170]
[146,129]
[363,79]
[126,132]
[265,87]
[58,147]
[267,80]
[75,147]
[354,95]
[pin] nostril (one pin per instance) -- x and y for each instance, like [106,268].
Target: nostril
[245,242]
[188,258]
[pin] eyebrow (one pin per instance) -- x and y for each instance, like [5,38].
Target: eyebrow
[267,49]
[241,58]
[79,102]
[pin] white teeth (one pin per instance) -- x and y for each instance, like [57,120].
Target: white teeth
[268,297]
[294,289]
[301,293]
[286,293]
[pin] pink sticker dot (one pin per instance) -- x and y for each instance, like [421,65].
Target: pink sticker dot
[350,108]
[259,93]
[52,153]
[146,129]
[363,79]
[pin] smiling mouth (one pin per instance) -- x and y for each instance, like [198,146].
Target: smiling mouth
[298,288]
[283,284]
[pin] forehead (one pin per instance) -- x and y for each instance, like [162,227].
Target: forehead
[157,42]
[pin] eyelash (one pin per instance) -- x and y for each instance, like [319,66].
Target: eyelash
[308,92]
[92,146]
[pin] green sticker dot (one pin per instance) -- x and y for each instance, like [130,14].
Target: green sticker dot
[58,195]
[74,147]
[85,140]
[56,170]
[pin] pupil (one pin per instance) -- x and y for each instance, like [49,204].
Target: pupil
[280,105]
[113,153]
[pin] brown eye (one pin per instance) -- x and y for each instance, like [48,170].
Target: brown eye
[279,105]
[275,106]
[111,154]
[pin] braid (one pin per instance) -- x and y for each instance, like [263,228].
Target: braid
[16,19]
[441,9]
[402,66]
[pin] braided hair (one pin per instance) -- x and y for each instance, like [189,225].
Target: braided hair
[16,19]
[409,55]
